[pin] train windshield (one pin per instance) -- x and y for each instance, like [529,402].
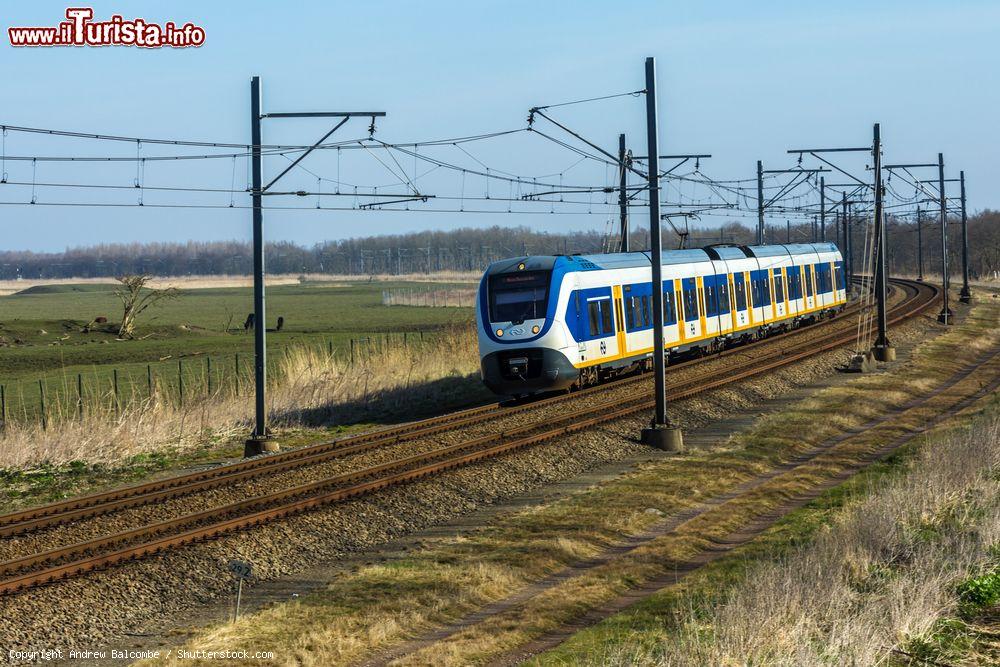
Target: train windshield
[516,297]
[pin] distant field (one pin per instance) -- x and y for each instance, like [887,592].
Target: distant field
[197,282]
[42,334]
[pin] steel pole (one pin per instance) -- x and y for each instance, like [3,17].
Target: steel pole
[822,208]
[945,315]
[920,244]
[846,250]
[259,321]
[881,282]
[661,434]
[622,193]
[760,203]
[966,295]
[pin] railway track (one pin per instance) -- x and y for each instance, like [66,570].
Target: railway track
[94,505]
[64,562]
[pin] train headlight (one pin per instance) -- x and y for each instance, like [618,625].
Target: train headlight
[534,329]
[499,332]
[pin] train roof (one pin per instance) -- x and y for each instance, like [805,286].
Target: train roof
[790,248]
[627,260]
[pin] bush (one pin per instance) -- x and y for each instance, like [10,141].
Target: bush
[979,592]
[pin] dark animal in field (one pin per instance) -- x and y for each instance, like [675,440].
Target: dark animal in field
[279,327]
[100,320]
[248,324]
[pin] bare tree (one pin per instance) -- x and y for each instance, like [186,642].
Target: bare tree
[136,298]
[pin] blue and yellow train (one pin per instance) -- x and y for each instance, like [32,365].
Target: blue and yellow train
[556,322]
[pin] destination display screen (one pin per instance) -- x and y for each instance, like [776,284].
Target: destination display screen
[516,297]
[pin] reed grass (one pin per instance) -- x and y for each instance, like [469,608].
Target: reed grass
[310,388]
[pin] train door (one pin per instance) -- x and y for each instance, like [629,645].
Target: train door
[742,307]
[793,277]
[671,315]
[778,290]
[620,342]
[807,291]
[692,316]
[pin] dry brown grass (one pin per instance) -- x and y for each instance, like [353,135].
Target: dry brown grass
[882,572]
[310,388]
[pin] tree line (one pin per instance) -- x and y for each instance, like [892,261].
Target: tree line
[471,249]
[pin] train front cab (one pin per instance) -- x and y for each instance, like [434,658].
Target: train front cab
[518,333]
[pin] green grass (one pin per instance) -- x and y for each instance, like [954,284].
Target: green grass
[44,336]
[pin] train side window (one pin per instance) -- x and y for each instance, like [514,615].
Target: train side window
[630,313]
[594,311]
[690,304]
[637,311]
[723,289]
[794,284]
[645,311]
[809,280]
[765,289]
[711,298]
[779,286]
[669,309]
[606,326]
[739,289]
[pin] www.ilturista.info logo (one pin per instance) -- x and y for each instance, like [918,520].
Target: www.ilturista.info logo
[80,30]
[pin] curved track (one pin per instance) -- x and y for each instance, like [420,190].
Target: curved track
[26,572]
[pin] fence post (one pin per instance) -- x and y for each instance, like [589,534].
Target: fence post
[149,380]
[237,364]
[208,376]
[329,349]
[114,389]
[41,395]
[180,382]
[352,351]
[3,406]
[79,394]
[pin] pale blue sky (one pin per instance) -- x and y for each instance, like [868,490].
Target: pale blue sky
[743,81]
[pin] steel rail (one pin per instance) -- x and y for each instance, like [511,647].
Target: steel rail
[298,499]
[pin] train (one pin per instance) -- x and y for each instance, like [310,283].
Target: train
[562,322]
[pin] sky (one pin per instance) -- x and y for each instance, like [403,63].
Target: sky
[740,81]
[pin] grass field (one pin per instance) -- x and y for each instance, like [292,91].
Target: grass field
[43,337]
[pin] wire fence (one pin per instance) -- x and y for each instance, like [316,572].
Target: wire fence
[183,381]
[431,298]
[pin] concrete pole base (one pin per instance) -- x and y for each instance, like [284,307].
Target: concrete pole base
[946,317]
[256,446]
[884,353]
[862,362]
[965,296]
[667,438]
